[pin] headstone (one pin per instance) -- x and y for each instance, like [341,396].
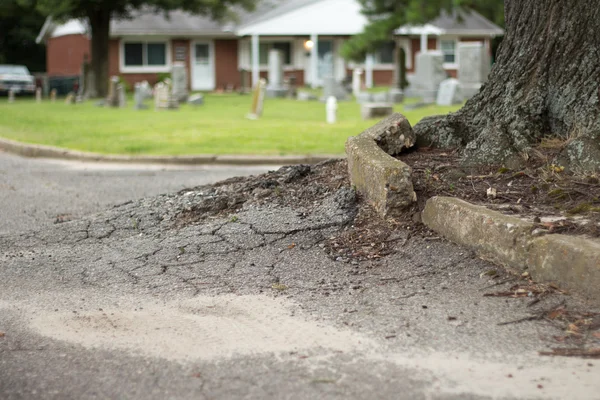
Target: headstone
[331,110]
[305,96]
[396,95]
[122,98]
[53,95]
[364,97]
[11,96]
[356,81]
[90,85]
[179,81]
[161,96]
[380,97]
[429,73]
[374,110]
[38,95]
[449,93]
[139,97]
[400,81]
[145,90]
[333,88]
[83,79]
[112,98]
[289,84]
[258,98]
[196,99]
[474,65]
[275,87]
[70,99]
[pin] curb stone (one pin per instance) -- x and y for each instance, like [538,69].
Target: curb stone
[385,181]
[43,151]
[573,262]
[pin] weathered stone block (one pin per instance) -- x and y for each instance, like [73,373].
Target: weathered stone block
[498,237]
[383,180]
[374,110]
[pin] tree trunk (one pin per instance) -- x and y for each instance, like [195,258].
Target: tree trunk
[100,25]
[545,83]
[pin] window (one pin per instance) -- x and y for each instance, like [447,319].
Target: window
[448,47]
[385,54]
[145,54]
[263,52]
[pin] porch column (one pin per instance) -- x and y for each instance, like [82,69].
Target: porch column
[423,42]
[369,71]
[314,60]
[255,60]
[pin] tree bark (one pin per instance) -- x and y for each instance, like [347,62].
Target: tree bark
[100,26]
[545,83]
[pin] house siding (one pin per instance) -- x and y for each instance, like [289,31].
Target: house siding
[65,54]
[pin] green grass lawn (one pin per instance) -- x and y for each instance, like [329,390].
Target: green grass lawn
[218,127]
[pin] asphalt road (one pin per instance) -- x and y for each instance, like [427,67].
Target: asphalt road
[132,303]
[35,192]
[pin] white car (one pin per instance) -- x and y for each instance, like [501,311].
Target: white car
[16,78]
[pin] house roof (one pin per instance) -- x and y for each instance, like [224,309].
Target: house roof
[306,17]
[173,23]
[277,17]
[459,22]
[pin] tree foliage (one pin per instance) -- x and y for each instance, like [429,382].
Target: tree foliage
[20,24]
[387,15]
[62,9]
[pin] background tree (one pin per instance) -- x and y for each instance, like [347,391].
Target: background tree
[99,13]
[20,24]
[544,84]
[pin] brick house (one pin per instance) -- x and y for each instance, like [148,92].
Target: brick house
[221,55]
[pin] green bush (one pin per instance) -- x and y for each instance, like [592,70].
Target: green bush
[125,84]
[162,76]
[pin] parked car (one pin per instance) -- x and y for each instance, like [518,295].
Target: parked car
[16,78]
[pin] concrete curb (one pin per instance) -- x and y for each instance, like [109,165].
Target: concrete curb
[573,262]
[42,151]
[385,181]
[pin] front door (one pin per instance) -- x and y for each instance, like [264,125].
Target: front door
[203,70]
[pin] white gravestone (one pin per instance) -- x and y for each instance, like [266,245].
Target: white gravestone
[474,65]
[275,88]
[356,81]
[331,110]
[196,99]
[429,73]
[112,99]
[449,93]
[139,96]
[121,97]
[179,78]
[333,88]
[161,96]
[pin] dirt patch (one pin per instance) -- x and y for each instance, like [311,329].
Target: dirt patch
[296,186]
[557,200]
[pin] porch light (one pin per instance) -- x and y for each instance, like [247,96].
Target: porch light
[308,44]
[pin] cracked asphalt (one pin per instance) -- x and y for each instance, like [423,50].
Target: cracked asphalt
[138,301]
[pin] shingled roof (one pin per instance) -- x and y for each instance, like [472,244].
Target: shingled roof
[457,22]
